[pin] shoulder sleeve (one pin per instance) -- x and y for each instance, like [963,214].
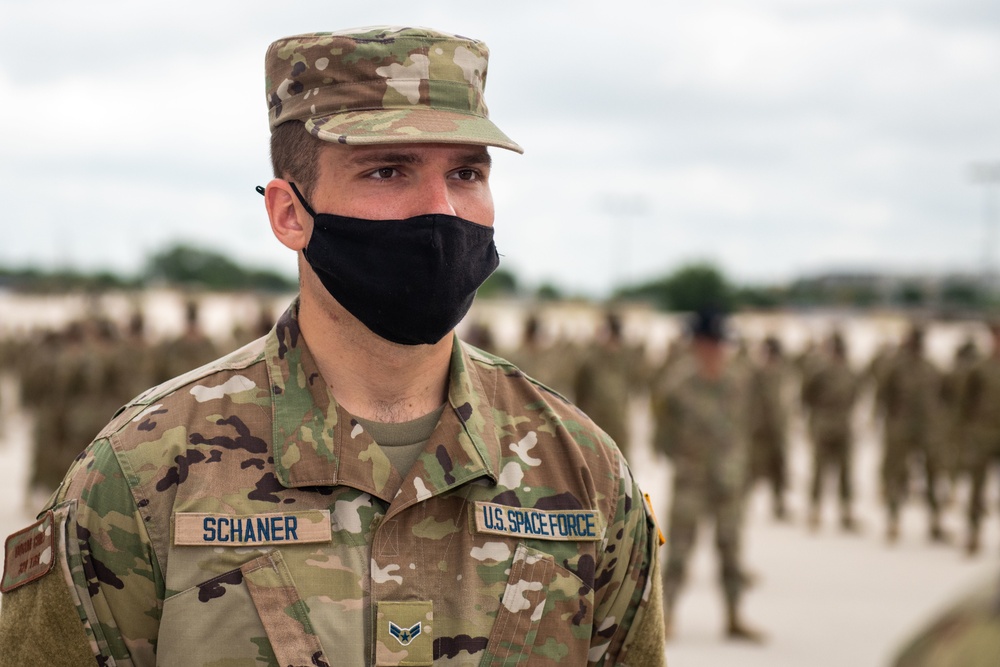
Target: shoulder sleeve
[106,564]
[628,614]
[39,621]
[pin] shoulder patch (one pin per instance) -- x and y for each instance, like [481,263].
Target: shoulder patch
[28,554]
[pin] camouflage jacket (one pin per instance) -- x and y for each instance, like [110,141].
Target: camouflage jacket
[237,515]
[979,399]
[768,417]
[829,393]
[601,389]
[911,395]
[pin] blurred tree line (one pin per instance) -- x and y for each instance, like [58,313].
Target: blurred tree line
[702,285]
[180,265]
[689,287]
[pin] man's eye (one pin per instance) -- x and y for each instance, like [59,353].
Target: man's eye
[384,172]
[467,174]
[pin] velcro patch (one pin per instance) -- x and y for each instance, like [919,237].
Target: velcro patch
[405,634]
[526,522]
[231,530]
[29,554]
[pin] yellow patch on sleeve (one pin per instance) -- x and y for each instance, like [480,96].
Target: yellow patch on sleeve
[652,515]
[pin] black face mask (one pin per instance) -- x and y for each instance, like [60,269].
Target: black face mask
[409,281]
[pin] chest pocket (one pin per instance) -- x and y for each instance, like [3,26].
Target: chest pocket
[199,625]
[544,610]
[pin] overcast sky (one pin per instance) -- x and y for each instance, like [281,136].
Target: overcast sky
[774,137]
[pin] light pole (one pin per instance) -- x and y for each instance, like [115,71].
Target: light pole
[988,175]
[623,209]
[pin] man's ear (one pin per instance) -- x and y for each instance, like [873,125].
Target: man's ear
[289,222]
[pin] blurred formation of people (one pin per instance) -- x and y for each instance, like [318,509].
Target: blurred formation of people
[722,410]
[74,378]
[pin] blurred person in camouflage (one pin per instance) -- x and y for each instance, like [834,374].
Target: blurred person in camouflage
[979,412]
[701,426]
[911,397]
[551,363]
[604,381]
[357,487]
[769,424]
[191,349]
[828,393]
[957,452]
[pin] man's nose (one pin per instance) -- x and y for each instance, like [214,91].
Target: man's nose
[435,197]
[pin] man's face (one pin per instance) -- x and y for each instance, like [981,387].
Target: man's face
[404,180]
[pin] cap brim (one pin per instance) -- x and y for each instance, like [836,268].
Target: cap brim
[406,126]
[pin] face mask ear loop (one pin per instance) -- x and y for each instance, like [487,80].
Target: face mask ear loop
[302,200]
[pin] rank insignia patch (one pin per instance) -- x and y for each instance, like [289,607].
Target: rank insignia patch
[404,635]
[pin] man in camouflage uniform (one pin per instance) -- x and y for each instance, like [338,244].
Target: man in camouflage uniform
[769,423]
[328,495]
[701,426]
[550,362]
[979,410]
[911,395]
[829,392]
[958,451]
[604,380]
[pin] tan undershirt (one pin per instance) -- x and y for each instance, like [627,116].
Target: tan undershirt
[405,441]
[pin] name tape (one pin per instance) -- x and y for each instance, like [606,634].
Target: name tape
[28,554]
[560,525]
[228,530]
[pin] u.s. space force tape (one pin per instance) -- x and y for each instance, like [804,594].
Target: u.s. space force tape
[530,523]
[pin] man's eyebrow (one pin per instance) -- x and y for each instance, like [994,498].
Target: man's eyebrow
[374,158]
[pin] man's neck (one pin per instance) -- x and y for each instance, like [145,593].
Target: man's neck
[369,376]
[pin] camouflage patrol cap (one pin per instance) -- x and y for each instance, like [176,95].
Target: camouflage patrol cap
[383,86]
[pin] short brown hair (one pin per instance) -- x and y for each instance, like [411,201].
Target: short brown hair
[295,155]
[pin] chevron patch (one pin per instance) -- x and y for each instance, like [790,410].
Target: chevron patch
[405,635]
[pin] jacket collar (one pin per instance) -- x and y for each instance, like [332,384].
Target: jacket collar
[319,444]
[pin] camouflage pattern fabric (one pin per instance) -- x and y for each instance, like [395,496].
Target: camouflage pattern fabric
[702,426]
[238,515]
[966,634]
[383,85]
